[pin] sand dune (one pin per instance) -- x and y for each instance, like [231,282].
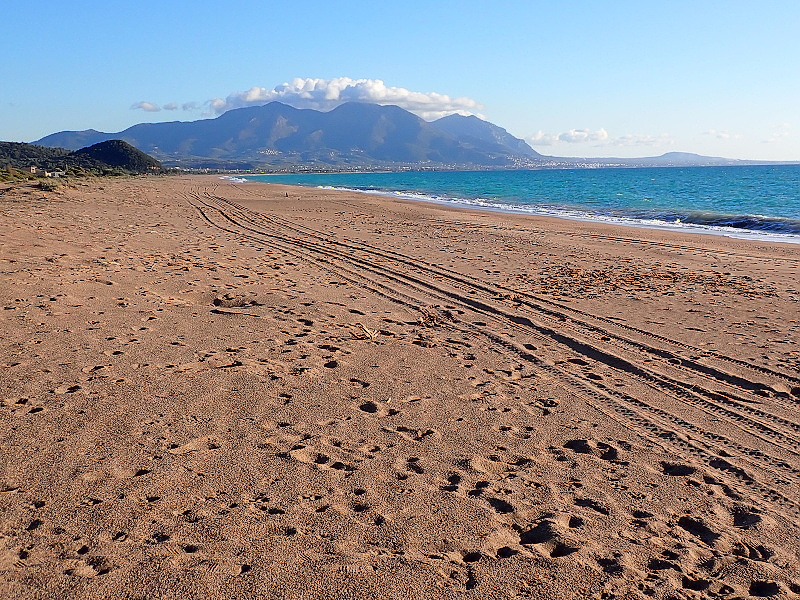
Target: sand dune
[212,390]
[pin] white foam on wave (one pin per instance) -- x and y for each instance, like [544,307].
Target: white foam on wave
[579,215]
[234,179]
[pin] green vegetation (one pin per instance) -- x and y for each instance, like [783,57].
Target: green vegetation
[118,155]
[113,157]
[11,174]
[48,185]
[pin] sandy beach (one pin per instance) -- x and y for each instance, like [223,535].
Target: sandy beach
[213,389]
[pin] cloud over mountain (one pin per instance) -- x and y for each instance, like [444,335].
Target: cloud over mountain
[631,139]
[145,106]
[597,138]
[573,136]
[326,94]
[721,135]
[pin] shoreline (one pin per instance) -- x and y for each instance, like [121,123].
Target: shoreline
[218,389]
[744,234]
[679,220]
[684,234]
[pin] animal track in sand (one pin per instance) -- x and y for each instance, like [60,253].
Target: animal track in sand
[479,488]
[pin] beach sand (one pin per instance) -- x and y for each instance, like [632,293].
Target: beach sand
[212,390]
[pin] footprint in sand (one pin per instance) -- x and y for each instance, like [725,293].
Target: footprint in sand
[676,469]
[90,567]
[408,465]
[500,506]
[200,444]
[698,529]
[591,504]
[414,435]
[377,408]
[757,553]
[67,389]
[319,459]
[540,406]
[764,589]
[520,433]
[745,517]
[546,538]
[453,481]
[594,448]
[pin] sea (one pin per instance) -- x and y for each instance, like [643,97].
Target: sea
[752,202]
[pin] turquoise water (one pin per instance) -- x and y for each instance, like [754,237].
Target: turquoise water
[760,202]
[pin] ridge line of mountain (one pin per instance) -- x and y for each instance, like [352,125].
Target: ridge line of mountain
[276,136]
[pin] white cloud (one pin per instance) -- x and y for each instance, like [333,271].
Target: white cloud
[598,138]
[170,106]
[642,140]
[542,139]
[190,106]
[581,136]
[326,94]
[146,106]
[573,136]
[722,135]
[779,135]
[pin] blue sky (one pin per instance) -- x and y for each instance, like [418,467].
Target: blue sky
[579,78]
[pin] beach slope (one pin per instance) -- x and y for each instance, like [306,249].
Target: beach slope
[214,389]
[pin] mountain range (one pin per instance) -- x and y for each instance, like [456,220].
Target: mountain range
[352,136]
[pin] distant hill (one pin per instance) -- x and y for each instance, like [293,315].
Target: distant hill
[351,134]
[112,155]
[20,156]
[670,159]
[688,159]
[118,153]
[471,129]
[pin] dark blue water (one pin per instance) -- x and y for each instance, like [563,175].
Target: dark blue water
[754,201]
